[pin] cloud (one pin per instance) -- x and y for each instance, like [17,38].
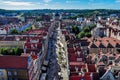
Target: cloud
[67,1]
[46,1]
[20,4]
[117,0]
[15,3]
[72,1]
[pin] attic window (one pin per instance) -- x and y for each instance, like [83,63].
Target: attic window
[9,73]
[15,73]
[100,40]
[1,73]
[107,40]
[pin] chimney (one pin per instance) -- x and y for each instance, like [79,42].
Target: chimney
[36,45]
[24,50]
[32,46]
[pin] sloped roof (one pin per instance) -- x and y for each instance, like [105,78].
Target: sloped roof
[34,57]
[101,45]
[15,62]
[71,50]
[88,77]
[84,43]
[77,63]
[118,45]
[108,75]
[92,45]
[91,68]
[110,46]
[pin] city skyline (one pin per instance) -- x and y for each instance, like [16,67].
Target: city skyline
[59,4]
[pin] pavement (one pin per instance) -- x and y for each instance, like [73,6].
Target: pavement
[54,67]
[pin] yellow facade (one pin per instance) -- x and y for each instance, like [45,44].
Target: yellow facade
[3,74]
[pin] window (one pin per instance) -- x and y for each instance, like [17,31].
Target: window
[9,73]
[1,73]
[15,73]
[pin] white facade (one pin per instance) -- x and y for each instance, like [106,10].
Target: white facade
[3,31]
[96,32]
[80,19]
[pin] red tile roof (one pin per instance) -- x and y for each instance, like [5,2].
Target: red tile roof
[105,42]
[75,77]
[77,63]
[34,57]
[80,77]
[78,49]
[37,31]
[92,45]
[91,67]
[95,76]
[101,45]
[65,32]
[15,62]
[71,50]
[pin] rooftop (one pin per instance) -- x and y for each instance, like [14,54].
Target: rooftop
[13,62]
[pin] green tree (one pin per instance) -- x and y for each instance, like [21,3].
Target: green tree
[30,28]
[5,51]
[1,50]
[16,50]
[9,51]
[88,34]
[75,30]
[13,52]
[92,26]
[14,31]
[86,29]
[96,12]
[39,19]
[81,34]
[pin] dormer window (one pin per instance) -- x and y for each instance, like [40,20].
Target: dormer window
[1,73]
[36,45]
[9,73]
[15,73]
[107,40]
[32,46]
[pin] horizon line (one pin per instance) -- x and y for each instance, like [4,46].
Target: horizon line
[62,9]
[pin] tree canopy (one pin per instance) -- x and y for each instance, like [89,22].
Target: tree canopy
[86,31]
[81,34]
[11,51]
[14,31]
[75,30]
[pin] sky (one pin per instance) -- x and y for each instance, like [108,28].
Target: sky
[59,4]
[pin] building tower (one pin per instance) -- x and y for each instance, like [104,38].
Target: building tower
[56,16]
